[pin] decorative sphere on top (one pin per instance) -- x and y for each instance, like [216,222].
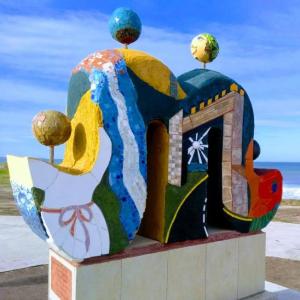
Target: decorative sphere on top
[51,127]
[125,25]
[204,47]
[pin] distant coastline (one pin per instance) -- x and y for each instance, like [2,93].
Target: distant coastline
[57,161]
[290,172]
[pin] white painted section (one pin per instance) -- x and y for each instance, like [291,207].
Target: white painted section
[132,177]
[64,190]
[104,155]
[43,174]
[19,171]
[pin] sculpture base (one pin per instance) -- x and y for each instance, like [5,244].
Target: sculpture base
[227,265]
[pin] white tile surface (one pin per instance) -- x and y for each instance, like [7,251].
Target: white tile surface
[251,265]
[102,281]
[43,174]
[221,270]
[145,277]
[186,273]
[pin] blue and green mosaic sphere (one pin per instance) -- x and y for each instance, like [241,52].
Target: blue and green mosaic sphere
[125,25]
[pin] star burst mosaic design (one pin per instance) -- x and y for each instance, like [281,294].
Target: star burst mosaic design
[198,148]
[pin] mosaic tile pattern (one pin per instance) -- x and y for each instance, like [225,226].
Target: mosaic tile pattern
[24,200]
[113,91]
[175,149]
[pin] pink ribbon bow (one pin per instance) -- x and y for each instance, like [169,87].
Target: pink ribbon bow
[76,215]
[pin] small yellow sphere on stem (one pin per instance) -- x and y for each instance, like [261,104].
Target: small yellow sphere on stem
[51,128]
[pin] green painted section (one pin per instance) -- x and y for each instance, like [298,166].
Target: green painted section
[110,207]
[38,196]
[259,223]
[175,195]
[79,84]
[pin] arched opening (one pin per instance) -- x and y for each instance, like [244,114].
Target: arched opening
[215,214]
[157,176]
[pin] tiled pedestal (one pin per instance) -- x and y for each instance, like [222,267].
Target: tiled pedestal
[227,265]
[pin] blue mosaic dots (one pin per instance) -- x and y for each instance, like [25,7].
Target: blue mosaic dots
[274,187]
[129,216]
[24,200]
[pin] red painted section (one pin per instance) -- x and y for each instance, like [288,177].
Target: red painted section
[269,191]
[265,187]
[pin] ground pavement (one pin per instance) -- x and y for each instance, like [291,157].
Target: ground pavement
[20,248]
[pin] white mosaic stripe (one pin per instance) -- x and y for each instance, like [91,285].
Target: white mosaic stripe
[132,177]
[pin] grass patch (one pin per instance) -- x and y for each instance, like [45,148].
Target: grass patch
[174,196]
[290,202]
[4,177]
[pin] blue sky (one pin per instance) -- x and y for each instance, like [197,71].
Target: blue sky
[42,40]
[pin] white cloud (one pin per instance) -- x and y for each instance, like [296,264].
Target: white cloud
[21,92]
[38,53]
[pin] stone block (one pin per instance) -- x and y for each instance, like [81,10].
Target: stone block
[190,260]
[226,181]
[228,118]
[236,156]
[221,270]
[226,156]
[226,168]
[227,130]
[226,143]
[99,281]
[227,265]
[251,262]
[145,277]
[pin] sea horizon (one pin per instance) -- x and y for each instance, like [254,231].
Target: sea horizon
[290,172]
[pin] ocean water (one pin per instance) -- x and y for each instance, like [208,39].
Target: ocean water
[291,177]
[290,172]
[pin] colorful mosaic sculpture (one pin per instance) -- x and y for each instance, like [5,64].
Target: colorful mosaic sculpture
[204,47]
[125,25]
[149,153]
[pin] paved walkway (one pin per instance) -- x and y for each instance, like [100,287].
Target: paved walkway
[283,240]
[19,247]
[275,292]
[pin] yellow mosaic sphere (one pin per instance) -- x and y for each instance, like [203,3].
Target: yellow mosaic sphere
[51,127]
[204,47]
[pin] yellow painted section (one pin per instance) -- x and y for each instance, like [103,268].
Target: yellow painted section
[224,93]
[234,87]
[19,170]
[242,92]
[180,205]
[150,70]
[153,221]
[193,110]
[236,216]
[83,145]
[202,105]
[216,97]
[209,101]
